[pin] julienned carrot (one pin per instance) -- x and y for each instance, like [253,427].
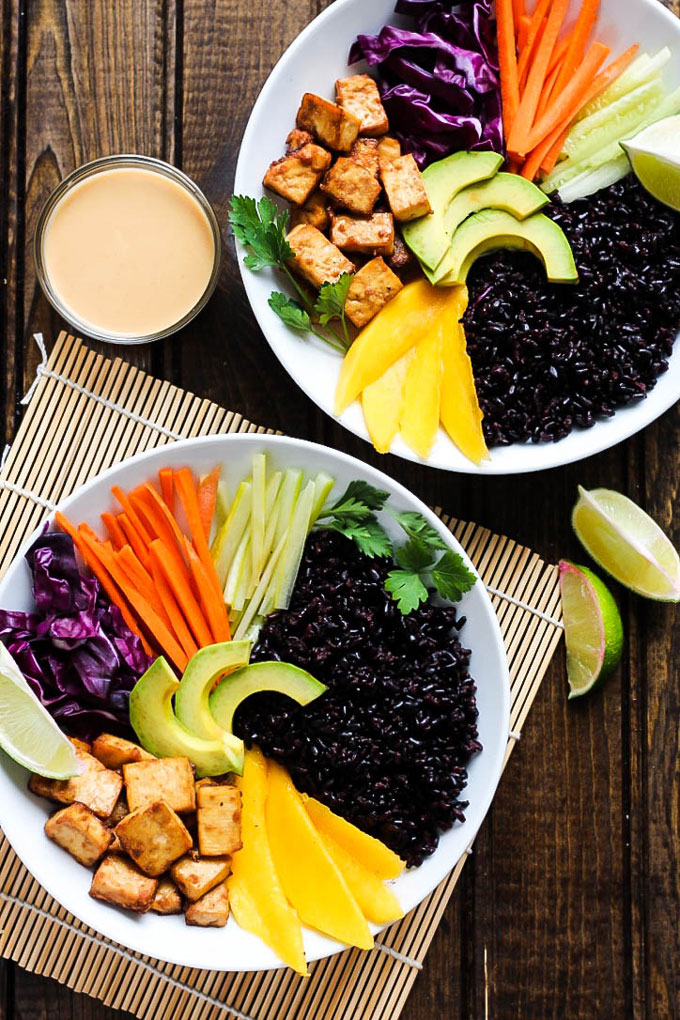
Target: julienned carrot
[182,591]
[212,605]
[149,496]
[517,11]
[178,623]
[569,101]
[184,484]
[97,568]
[559,52]
[526,63]
[587,16]
[522,31]
[544,101]
[142,581]
[535,158]
[129,510]
[518,143]
[114,529]
[207,489]
[507,59]
[167,488]
[535,22]
[133,537]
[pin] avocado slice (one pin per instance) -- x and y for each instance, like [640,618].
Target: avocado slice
[203,670]
[511,192]
[161,733]
[281,677]
[443,180]
[493,228]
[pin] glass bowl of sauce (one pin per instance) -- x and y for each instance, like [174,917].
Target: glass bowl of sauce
[127,249]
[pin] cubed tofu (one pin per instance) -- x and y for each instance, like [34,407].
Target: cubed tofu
[403,183]
[117,880]
[212,910]
[351,186]
[369,235]
[168,779]
[315,258]
[365,153]
[372,287]
[194,876]
[296,139]
[79,831]
[81,745]
[314,212]
[119,812]
[359,95]
[167,899]
[114,752]
[116,847]
[332,125]
[154,836]
[219,820]
[96,787]
[401,256]
[389,149]
[296,176]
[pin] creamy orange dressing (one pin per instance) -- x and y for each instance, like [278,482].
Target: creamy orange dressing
[128,251]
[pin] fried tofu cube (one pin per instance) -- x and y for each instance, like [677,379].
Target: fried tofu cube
[154,836]
[296,139]
[167,899]
[370,235]
[114,752]
[219,820]
[401,256]
[296,176]
[351,186]
[372,287]
[403,183]
[81,745]
[365,153]
[314,212]
[116,846]
[96,787]
[194,876]
[168,779]
[315,258]
[78,830]
[119,812]
[332,125]
[389,149]
[212,910]
[117,880]
[359,95]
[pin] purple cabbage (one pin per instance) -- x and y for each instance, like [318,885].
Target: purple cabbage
[75,650]
[439,80]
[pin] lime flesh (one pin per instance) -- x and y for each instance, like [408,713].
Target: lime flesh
[627,543]
[592,628]
[655,157]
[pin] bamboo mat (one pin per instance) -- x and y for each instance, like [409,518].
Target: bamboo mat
[84,414]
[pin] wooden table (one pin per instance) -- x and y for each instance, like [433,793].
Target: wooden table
[570,904]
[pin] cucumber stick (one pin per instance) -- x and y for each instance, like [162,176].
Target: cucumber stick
[612,122]
[590,181]
[231,532]
[641,70]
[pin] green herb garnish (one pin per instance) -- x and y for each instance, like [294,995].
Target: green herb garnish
[353,516]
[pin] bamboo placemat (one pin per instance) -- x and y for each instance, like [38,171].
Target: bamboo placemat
[86,413]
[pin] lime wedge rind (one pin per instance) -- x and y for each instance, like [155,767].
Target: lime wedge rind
[654,154]
[592,626]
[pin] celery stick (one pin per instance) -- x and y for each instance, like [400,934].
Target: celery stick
[258,517]
[590,181]
[240,565]
[289,563]
[290,489]
[642,69]
[324,483]
[258,595]
[612,122]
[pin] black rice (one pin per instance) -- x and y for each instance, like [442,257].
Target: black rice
[387,745]
[551,357]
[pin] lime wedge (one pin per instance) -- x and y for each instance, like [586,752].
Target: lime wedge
[593,630]
[627,543]
[27,732]
[655,157]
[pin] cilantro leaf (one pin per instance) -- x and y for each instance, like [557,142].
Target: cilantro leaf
[368,535]
[451,577]
[359,493]
[331,301]
[407,589]
[290,312]
[414,555]
[415,526]
[261,227]
[352,515]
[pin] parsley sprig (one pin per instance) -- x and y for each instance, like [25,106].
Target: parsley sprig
[424,557]
[262,228]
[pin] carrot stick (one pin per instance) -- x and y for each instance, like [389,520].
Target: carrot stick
[167,489]
[114,529]
[507,59]
[182,592]
[185,487]
[179,624]
[547,91]
[569,101]
[523,32]
[142,581]
[535,158]
[559,52]
[518,142]
[535,22]
[115,596]
[213,606]
[150,497]
[128,509]
[207,498]
[587,16]
[132,537]
[524,73]
[517,11]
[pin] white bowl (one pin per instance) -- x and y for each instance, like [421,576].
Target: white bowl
[23,815]
[311,64]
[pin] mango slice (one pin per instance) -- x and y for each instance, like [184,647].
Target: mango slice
[422,391]
[382,402]
[459,408]
[397,327]
[365,849]
[255,894]
[378,903]
[308,875]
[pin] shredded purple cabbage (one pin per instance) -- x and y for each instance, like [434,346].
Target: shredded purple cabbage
[439,81]
[76,651]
